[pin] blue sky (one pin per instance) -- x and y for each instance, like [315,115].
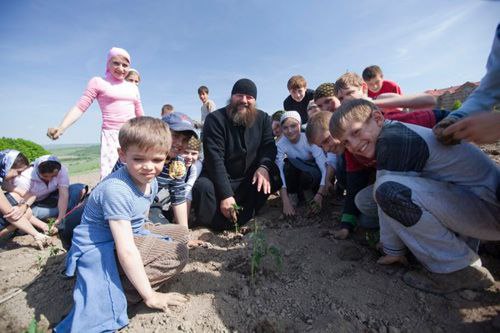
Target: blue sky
[50,49]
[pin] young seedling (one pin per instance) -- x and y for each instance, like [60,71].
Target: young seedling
[33,327]
[260,250]
[53,251]
[39,261]
[50,223]
[314,208]
[235,210]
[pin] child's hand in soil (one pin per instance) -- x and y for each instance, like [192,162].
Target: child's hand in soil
[389,260]
[315,204]
[341,233]
[162,301]
[194,243]
[288,209]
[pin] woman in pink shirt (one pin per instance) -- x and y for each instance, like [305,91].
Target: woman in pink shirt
[45,187]
[119,101]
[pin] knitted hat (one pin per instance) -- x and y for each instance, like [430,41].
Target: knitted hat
[245,87]
[290,114]
[194,144]
[277,115]
[324,90]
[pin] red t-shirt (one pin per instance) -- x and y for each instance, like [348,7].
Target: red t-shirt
[387,87]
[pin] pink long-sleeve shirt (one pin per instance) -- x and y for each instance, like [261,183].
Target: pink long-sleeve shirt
[119,101]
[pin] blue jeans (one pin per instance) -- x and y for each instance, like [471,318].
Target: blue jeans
[44,211]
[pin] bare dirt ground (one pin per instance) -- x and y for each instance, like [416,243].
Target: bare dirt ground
[323,285]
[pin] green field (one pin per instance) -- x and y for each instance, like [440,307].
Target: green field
[78,158]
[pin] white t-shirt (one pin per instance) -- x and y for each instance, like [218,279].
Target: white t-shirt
[30,181]
[303,150]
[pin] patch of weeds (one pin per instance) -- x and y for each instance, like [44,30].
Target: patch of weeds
[261,249]
[33,327]
[54,250]
[235,210]
[39,261]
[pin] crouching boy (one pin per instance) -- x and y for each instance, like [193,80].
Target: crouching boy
[428,195]
[116,256]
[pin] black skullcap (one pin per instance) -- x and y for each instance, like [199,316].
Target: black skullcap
[245,87]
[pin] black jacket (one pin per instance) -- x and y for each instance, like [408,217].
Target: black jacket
[233,153]
[289,104]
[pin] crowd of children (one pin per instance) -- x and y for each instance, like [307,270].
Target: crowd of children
[359,138]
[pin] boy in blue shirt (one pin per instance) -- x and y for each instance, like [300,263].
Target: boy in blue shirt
[113,227]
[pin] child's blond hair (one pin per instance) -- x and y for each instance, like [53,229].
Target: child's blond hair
[319,122]
[349,79]
[145,133]
[357,110]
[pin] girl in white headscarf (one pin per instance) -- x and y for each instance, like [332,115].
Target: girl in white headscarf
[14,213]
[45,186]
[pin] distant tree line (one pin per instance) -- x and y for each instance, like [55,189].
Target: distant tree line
[28,148]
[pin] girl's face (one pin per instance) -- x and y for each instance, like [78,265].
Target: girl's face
[133,78]
[14,172]
[118,67]
[47,177]
[291,130]
[190,157]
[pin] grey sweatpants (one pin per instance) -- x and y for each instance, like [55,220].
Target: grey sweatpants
[424,216]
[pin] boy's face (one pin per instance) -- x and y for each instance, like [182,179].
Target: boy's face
[360,138]
[328,103]
[375,84]
[291,130]
[203,97]
[352,92]
[275,125]
[190,157]
[329,144]
[143,166]
[298,93]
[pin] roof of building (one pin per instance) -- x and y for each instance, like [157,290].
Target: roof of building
[450,90]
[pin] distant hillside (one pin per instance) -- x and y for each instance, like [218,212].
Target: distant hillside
[78,158]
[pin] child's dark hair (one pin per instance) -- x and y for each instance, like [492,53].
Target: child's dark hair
[371,72]
[49,167]
[166,109]
[277,115]
[20,161]
[202,89]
